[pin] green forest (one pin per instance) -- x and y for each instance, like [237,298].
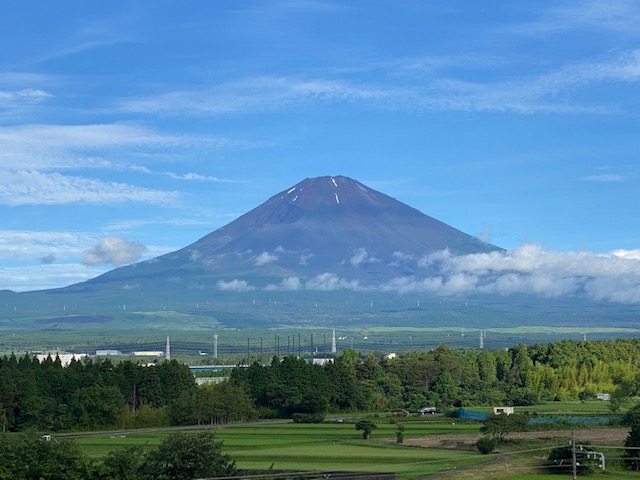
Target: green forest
[98,394]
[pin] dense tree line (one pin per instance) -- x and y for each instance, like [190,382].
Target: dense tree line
[87,395]
[95,394]
[446,378]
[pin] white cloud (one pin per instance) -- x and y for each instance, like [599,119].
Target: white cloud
[627,254]
[234,286]
[37,188]
[265,258]
[114,251]
[403,257]
[528,269]
[289,284]
[360,257]
[327,282]
[623,289]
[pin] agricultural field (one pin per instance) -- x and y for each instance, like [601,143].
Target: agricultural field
[430,446]
[321,447]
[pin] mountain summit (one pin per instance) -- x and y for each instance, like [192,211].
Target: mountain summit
[321,225]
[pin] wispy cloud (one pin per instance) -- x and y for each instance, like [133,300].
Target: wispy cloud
[190,176]
[37,188]
[551,92]
[251,95]
[10,98]
[28,245]
[40,146]
[40,277]
[619,16]
[32,157]
[605,178]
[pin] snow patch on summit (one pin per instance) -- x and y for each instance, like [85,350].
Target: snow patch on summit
[334,182]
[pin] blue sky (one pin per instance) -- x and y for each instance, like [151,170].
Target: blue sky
[130,129]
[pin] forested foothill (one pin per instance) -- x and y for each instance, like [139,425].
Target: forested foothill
[98,394]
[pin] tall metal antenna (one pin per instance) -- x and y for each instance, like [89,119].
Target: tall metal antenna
[333,342]
[167,353]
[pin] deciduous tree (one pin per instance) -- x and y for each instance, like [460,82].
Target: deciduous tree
[367,426]
[185,456]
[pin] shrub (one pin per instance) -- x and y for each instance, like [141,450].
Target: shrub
[308,417]
[486,445]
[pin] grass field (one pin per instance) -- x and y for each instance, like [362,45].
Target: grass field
[339,447]
[323,447]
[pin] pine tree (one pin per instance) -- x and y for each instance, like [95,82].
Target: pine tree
[632,455]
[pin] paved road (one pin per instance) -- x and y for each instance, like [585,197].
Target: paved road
[113,433]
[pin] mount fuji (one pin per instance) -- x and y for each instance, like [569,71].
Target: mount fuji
[328,250]
[324,227]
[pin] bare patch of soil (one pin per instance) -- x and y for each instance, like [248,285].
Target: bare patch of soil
[599,435]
